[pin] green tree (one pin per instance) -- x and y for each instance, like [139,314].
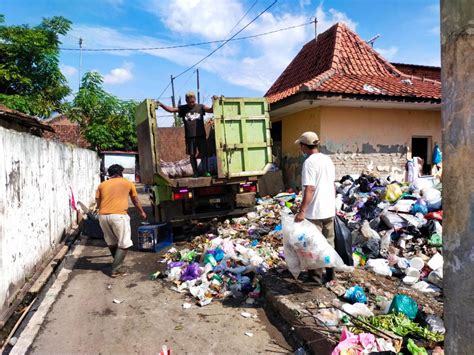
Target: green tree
[30,78]
[107,122]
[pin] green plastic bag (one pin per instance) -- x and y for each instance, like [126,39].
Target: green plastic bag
[415,349]
[188,255]
[405,305]
[436,240]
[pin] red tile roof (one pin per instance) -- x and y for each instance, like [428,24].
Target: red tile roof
[422,71]
[340,62]
[66,131]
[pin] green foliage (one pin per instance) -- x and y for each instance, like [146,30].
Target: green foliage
[107,122]
[30,78]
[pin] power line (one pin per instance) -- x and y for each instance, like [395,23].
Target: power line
[167,86]
[190,44]
[242,18]
[226,41]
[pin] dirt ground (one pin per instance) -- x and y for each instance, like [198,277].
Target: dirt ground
[85,319]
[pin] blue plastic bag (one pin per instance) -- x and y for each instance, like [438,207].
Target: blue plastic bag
[437,155]
[356,294]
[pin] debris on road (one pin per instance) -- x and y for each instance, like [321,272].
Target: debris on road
[116,301]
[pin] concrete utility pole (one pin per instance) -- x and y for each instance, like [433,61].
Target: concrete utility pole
[173,102]
[81,41]
[457,68]
[198,93]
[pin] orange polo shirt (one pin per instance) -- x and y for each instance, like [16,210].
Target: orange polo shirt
[113,195]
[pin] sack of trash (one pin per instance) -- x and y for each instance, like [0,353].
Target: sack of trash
[306,248]
[177,169]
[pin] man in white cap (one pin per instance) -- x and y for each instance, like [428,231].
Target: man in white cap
[319,197]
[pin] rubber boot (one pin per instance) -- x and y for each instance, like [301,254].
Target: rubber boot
[113,250]
[118,260]
[329,275]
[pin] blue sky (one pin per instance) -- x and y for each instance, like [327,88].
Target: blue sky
[409,34]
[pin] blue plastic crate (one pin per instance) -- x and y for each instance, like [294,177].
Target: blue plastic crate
[155,237]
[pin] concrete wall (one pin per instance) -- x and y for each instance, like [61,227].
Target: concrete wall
[358,139]
[35,180]
[457,53]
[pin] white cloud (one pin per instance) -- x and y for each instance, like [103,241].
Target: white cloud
[119,75]
[329,18]
[387,53]
[208,18]
[254,63]
[67,70]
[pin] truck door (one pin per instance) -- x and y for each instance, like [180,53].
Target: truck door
[243,141]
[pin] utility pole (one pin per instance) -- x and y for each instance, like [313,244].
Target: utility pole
[198,93]
[80,62]
[315,20]
[173,101]
[457,112]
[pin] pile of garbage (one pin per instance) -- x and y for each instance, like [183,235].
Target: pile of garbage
[230,258]
[392,229]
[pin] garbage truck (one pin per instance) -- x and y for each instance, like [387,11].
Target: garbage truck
[240,151]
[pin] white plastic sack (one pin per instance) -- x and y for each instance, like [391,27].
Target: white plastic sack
[310,246]
[186,168]
[357,310]
[379,266]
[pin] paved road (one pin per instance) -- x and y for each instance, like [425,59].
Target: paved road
[84,319]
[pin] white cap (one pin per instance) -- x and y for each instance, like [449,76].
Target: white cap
[308,138]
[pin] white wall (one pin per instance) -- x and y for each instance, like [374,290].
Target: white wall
[35,180]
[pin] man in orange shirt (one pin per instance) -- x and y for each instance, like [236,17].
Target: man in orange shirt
[112,201]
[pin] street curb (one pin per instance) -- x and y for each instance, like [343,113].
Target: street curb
[297,327]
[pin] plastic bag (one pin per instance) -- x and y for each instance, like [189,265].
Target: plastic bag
[432,197]
[356,294]
[371,248]
[437,155]
[310,245]
[393,192]
[292,260]
[420,207]
[404,304]
[343,241]
[192,272]
[415,349]
[357,310]
[379,266]
[186,168]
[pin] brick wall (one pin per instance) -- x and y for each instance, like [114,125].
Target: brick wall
[379,164]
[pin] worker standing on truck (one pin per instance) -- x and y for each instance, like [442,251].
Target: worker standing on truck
[319,196]
[192,115]
[112,202]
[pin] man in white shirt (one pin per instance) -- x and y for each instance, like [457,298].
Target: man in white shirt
[319,196]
